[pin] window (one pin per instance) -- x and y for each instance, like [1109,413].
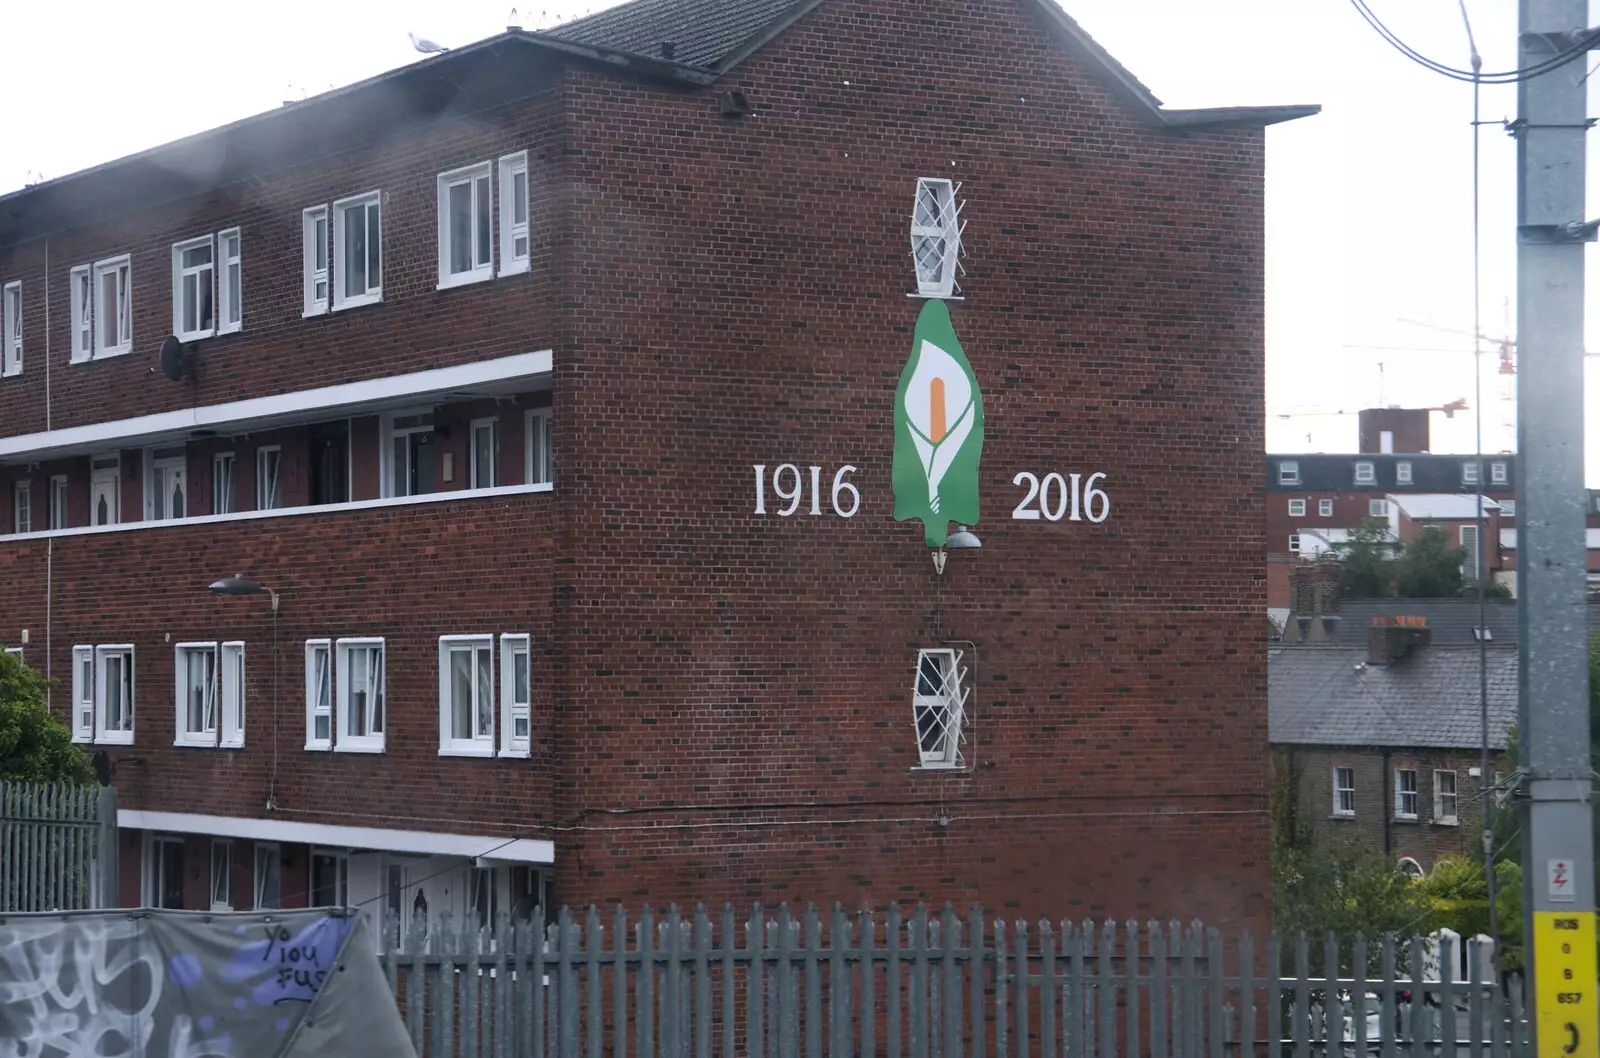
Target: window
[194,286]
[196,669]
[222,483]
[412,455]
[1473,561]
[485,453]
[1444,797]
[357,252]
[1294,543]
[166,485]
[330,879]
[1402,472]
[1497,473]
[516,697]
[221,874]
[232,695]
[330,462]
[319,694]
[1469,473]
[1366,473]
[269,485]
[11,330]
[483,894]
[1378,508]
[938,704]
[1508,508]
[58,501]
[466,695]
[105,490]
[935,237]
[539,463]
[1405,793]
[466,219]
[314,225]
[1410,867]
[360,702]
[267,882]
[515,242]
[163,875]
[230,286]
[1325,508]
[113,307]
[1344,791]
[82,303]
[1297,508]
[1502,791]
[1289,472]
[22,507]
[102,694]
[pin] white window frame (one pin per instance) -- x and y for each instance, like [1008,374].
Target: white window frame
[482,706]
[1324,508]
[1469,472]
[1410,867]
[150,881]
[82,298]
[538,465]
[341,875]
[342,298]
[474,475]
[1377,508]
[221,850]
[11,329]
[224,483]
[59,512]
[482,257]
[1366,472]
[104,735]
[1344,797]
[122,267]
[1289,472]
[186,734]
[371,741]
[1400,793]
[925,230]
[511,710]
[229,264]
[1472,568]
[319,692]
[312,277]
[1297,508]
[1402,472]
[950,698]
[156,472]
[22,506]
[511,263]
[267,853]
[83,683]
[269,499]
[1294,543]
[386,465]
[1440,816]
[1498,474]
[100,468]
[231,694]
[180,288]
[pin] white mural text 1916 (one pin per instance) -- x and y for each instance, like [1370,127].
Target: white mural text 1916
[1056,499]
[789,486]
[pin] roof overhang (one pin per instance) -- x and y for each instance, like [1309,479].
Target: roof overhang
[520,373]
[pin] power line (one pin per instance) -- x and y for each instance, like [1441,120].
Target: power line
[1539,69]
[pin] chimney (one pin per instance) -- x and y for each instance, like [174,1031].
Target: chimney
[1392,639]
[1314,588]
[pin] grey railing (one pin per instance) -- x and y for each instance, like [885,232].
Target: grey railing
[930,986]
[58,847]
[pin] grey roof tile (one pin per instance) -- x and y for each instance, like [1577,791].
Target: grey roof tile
[1329,696]
[704,33]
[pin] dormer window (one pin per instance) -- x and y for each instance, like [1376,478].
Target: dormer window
[1469,473]
[1402,472]
[1497,473]
[1289,472]
[1366,472]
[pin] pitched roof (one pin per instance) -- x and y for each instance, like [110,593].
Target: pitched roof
[707,34]
[1329,696]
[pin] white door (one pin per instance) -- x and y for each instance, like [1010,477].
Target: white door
[169,489]
[103,496]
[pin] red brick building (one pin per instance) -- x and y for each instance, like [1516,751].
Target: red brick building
[503,370]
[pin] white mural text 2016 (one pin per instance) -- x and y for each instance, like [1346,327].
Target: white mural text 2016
[1054,497]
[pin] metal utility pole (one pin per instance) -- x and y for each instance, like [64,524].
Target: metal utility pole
[1552,230]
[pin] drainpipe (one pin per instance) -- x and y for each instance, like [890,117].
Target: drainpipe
[1388,815]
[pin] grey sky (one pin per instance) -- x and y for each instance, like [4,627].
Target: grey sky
[1369,204]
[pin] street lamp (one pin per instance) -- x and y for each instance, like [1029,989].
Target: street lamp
[238,585]
[963,539]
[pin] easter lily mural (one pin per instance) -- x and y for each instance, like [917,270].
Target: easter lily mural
[938,430]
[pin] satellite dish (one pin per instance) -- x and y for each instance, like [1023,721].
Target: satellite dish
[174,359]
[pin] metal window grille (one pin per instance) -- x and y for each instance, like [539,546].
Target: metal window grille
[939,707]
[936,236]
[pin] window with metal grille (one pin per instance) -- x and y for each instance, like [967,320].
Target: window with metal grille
[936,237]
[939,707]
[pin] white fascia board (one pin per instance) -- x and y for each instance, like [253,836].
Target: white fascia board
[302,405]
[432,843]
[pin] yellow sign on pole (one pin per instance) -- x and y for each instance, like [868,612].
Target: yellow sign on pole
[1564,973]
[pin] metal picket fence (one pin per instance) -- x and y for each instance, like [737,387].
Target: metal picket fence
[58,847]
[931,986]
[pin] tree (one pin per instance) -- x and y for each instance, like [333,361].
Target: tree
[1458,898]
[1366,560]
[1428,567]
[34,746]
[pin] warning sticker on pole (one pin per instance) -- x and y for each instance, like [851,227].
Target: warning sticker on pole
[1564,974]
[1558,874]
